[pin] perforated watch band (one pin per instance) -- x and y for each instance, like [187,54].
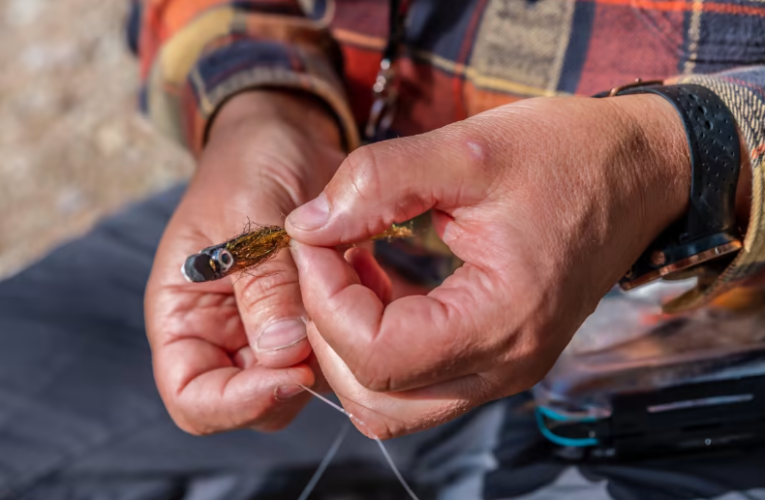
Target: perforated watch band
[708,231]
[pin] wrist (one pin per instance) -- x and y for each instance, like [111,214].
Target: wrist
[660,147]
[268,151]
[708,228]
[260,109]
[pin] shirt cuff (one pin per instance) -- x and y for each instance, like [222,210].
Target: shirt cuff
[248,64]
[206,63]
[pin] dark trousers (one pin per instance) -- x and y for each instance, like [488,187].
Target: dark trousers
[80,417]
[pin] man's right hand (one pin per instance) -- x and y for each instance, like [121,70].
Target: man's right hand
[231,353]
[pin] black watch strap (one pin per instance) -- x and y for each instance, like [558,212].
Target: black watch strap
[709,228]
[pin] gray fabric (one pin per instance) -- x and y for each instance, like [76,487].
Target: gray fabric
[572,485]
[470,457]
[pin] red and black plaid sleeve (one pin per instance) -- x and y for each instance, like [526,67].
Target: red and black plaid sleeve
[459,58]
[195,54]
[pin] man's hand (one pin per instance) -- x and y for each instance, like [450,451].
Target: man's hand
[231,353]
[548,202]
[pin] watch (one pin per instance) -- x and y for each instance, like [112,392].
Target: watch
[707,237]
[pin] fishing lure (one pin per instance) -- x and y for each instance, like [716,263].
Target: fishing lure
[249,250]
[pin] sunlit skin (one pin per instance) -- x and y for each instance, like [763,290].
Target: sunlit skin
[547,201]
[267,153]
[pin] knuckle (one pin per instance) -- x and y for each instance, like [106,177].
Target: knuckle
[363,172]
[195,431]
[475,148]
[286,184]
[374,424]
[381,429]
[526,364]
[277,282]
[190,427]
[375,382]
[524,380]
[189,419]
[483,149]
[374,375]
[381,365]
[529,345]
[482,387]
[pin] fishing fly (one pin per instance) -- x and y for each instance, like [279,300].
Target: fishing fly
[251,249]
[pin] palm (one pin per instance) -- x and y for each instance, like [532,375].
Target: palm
[234,353]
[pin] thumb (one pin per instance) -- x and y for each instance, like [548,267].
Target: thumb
[394,181]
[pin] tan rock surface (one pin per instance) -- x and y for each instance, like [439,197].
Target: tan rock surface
[73,148]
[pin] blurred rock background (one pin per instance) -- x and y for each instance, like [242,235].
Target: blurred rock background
[73,148]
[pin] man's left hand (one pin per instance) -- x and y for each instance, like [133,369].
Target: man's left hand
[547,201]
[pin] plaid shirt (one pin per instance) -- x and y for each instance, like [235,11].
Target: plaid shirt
[459,58]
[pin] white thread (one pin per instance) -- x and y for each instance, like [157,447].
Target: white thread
[379,442]
[325,463]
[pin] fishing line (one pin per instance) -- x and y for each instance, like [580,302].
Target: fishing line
[385,453]
[325,462]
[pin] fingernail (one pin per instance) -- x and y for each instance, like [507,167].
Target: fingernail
[312,215]
[286,392]
[296,249]
[281,335]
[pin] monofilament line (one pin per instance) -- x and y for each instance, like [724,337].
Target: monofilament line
[325,463]
[379,442]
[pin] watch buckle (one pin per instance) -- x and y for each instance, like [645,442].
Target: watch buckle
[662,264]
[637,83]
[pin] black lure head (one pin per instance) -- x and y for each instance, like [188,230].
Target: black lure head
[210,264]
